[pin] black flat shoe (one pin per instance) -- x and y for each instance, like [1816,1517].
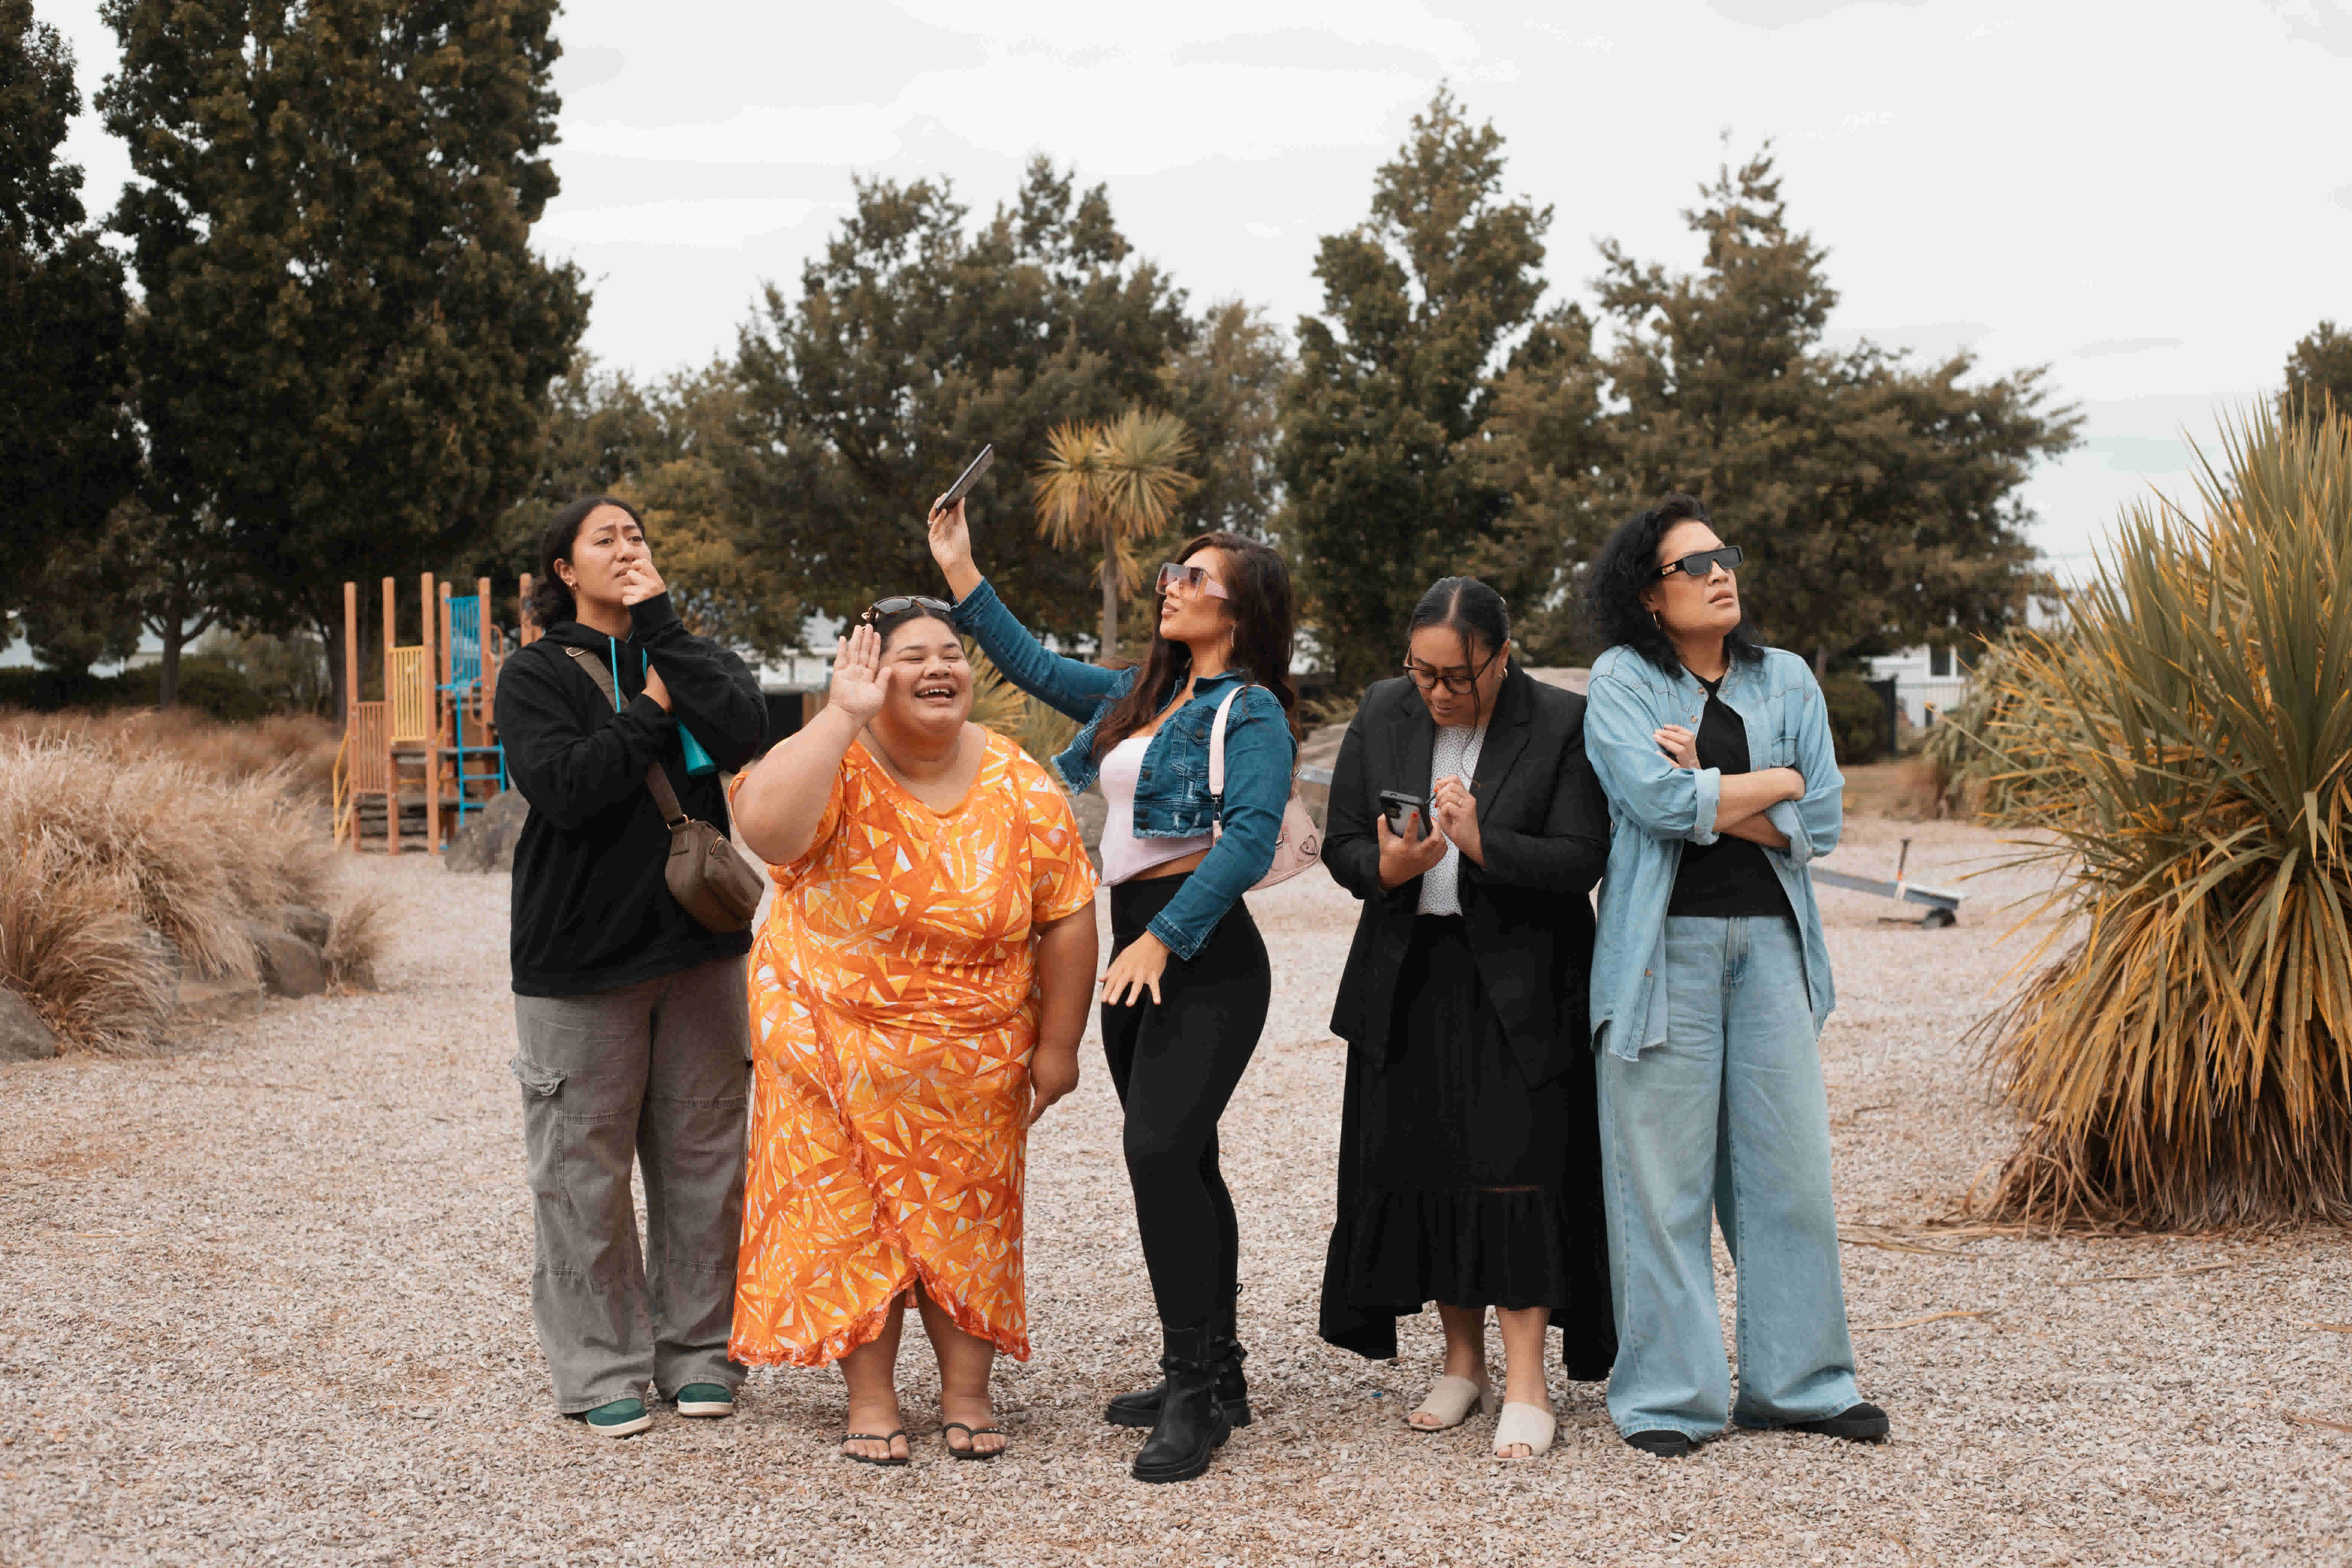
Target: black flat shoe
[1864,1423]
[1664,1445]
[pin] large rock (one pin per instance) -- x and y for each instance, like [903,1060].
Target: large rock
[23,1036]
[290,966]
[311,925]
[487,842]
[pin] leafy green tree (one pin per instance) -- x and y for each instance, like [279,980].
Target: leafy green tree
[348,339]
[65,439]
[2319,373]
[1226,385]
[146,571]
[1395,381]
[1879,500]
[915,340]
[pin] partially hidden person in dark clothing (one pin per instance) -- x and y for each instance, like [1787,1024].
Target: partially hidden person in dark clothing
[1188,982]
[1469,1148]
[633,1023]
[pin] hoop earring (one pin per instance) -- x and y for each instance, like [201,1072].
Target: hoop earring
[1656,622]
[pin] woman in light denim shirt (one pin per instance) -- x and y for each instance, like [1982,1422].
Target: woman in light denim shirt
[1177,1035]
[1710,984]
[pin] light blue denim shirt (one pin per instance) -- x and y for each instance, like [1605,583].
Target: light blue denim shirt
[1655,807]
[1172,791]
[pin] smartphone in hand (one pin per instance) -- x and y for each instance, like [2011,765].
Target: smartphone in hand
[965,480]
[1398,809]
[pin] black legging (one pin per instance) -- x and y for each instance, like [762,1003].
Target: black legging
[1174,1063]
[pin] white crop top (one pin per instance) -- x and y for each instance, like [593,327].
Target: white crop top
[1123,854]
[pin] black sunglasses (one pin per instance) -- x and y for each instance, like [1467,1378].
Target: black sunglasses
[899,602]
[1728,556]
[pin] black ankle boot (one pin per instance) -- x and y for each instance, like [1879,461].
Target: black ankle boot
[1192,1425]
[1142,1409]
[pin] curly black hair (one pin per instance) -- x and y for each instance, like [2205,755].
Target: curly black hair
[1627,565]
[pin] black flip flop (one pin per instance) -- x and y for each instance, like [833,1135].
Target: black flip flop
[885,1438]
[971,1450]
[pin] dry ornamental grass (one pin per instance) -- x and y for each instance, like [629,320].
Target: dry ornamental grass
[116,836]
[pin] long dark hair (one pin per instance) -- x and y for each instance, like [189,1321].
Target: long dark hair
[1257,597]
[1626,567]
[551,601]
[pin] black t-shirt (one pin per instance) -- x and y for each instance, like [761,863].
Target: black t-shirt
[1730,876]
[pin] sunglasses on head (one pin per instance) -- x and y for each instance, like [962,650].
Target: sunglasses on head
[899,602]
[1726,556]
[1196,580]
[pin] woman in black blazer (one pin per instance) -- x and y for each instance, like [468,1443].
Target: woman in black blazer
[1469,1153]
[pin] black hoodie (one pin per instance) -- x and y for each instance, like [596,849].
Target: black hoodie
[591,911]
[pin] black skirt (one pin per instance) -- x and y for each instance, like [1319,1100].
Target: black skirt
[1458,1181]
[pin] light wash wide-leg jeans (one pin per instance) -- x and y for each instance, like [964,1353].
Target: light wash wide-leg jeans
[1724,1120]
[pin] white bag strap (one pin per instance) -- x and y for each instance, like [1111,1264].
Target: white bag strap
[1217,744]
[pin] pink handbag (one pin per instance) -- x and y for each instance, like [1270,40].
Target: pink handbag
[1301,842]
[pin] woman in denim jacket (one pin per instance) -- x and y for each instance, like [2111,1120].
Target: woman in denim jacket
[1176,1035]
[1710,984]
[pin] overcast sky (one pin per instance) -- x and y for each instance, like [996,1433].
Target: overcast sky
[2152,197]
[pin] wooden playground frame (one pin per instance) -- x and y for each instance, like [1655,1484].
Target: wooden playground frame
[431,738]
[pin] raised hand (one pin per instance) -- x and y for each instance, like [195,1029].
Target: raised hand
[858,684]
[951,548]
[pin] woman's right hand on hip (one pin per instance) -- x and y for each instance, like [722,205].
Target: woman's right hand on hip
[858,683]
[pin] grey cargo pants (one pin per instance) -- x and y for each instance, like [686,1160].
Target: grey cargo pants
[654,1074]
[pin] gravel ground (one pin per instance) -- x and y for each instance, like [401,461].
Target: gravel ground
[266,1301]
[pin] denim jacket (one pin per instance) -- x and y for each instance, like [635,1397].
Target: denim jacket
[1655,807]
[1171,791]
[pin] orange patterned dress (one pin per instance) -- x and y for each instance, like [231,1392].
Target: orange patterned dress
[894,1001]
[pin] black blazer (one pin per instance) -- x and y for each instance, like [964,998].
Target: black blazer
[1543,824]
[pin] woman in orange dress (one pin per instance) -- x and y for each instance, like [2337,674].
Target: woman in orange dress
[916,1000]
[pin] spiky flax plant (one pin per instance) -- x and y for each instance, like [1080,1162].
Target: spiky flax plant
[2185,749]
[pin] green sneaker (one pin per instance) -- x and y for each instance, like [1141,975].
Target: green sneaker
[619,1419]
[709,1400]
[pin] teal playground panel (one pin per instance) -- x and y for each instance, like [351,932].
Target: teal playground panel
[475,764]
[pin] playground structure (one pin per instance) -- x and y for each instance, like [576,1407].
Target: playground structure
[413,764]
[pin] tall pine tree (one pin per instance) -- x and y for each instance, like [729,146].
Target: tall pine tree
[65,439]
[914,340]
[1395,381]
[1879,500]
[348,339]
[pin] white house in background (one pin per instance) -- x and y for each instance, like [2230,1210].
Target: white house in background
[1929,681]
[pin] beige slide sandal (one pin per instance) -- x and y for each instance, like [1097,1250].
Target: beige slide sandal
[1450,1401]
[1528,1424]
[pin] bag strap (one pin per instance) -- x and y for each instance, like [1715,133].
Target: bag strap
[656,780]
[1217,743]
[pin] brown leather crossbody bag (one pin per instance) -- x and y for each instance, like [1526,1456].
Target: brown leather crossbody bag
[709,881]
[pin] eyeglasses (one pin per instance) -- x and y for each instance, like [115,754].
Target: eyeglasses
[1196,580]
[898,603]
[1429,680]
[1728,556]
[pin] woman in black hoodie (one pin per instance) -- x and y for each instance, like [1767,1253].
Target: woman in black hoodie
[632,1017]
